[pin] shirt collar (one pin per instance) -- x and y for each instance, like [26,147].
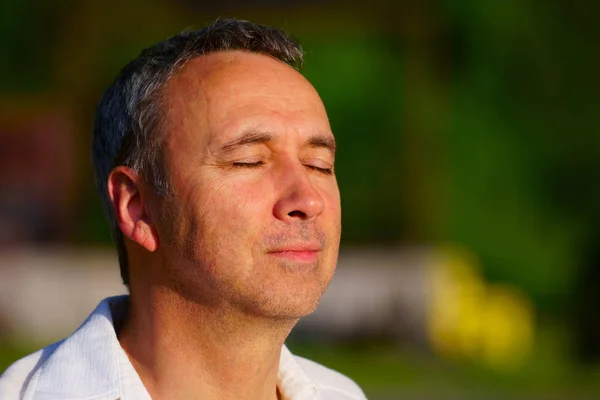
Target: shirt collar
[91,364]
[86,365]
[293,382]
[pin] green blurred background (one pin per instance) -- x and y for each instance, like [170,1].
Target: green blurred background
[463,123]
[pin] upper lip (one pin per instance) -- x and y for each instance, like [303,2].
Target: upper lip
[297,247]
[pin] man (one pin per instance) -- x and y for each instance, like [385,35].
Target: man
[214,159]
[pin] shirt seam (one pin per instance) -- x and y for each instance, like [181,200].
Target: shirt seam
[119,376]
[33,382]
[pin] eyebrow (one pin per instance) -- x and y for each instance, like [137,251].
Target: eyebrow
[248,138]
[324,142]
[257,137]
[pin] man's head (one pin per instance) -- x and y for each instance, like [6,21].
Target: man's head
[215,155]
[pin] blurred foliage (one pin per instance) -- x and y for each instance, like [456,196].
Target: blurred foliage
[469,319]
[389,373]
[467,122]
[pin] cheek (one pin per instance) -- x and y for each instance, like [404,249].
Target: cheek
[233,210]
[238,200]
[331,197]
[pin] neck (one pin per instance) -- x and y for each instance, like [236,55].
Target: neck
[185,350]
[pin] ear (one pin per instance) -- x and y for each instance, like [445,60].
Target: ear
[131,208]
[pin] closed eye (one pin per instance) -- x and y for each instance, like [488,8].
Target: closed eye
[248,164]
[325,171]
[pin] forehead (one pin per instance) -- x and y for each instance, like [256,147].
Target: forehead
[221,93]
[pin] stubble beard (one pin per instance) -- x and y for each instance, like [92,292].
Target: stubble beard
[191,270]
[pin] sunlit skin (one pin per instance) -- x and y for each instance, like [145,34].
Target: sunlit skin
[248,241]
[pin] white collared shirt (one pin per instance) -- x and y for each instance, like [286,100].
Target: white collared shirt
[91,365]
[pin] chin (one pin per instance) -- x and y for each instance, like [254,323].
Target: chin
[286,304]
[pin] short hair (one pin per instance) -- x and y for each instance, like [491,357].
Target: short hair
[129,116]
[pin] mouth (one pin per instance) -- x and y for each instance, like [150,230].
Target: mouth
[300,253]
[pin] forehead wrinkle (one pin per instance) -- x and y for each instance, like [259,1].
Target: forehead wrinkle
[247,138]
[232,78]
[228,71]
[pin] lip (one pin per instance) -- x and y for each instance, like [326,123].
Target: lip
[299,253]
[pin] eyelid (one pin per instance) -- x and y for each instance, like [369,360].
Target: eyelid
[246,164]
[318,163]
[247,159]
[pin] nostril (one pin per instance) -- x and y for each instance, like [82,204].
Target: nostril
[297,214]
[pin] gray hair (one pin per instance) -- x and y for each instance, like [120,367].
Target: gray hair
[128,118]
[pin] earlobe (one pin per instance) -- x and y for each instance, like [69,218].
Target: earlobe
[130,208]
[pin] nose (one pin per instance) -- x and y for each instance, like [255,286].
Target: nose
[299,199]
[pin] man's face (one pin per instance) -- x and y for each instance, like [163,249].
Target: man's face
[254,222]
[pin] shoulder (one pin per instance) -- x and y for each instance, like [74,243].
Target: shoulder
[15,380]
[332,383]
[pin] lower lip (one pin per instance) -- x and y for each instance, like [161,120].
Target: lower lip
[298,256]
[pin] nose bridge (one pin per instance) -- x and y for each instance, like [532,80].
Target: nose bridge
[294,173]
[299,198]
